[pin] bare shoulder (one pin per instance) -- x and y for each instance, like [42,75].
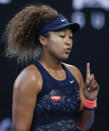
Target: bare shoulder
[26,88]
[75,71]
[29,79]
[72,68]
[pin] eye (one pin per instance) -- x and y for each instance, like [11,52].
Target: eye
[62,36]
[71,37]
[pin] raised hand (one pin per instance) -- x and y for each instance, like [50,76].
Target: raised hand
[91,88]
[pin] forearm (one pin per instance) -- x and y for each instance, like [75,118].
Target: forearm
[20,127]
[86,119]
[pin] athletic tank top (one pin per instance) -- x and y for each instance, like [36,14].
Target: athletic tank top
[57,103]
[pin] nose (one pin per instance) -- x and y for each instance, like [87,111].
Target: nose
[68,41]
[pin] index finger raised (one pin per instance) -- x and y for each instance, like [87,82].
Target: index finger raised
[88,70]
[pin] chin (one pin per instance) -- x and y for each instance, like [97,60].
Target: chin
[64,58]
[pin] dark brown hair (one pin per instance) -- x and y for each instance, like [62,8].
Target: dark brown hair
[21,31]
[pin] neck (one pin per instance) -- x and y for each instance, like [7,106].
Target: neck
[50,62]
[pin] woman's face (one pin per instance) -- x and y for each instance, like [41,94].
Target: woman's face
[59,43]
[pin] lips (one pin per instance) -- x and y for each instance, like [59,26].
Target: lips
[67,50]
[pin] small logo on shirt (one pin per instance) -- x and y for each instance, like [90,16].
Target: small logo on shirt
[55,98]
[63,20]
[71,81]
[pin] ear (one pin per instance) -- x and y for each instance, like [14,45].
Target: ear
[43,40]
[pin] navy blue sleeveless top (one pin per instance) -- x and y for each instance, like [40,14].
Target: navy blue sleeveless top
[57,103]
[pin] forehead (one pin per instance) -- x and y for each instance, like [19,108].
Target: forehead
[66,30]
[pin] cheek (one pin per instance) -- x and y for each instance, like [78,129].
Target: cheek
[55,48]
[54,39]
[56,44]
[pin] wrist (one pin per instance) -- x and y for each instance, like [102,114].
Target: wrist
[90,104]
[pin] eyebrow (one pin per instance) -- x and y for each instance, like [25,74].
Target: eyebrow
[69,33]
